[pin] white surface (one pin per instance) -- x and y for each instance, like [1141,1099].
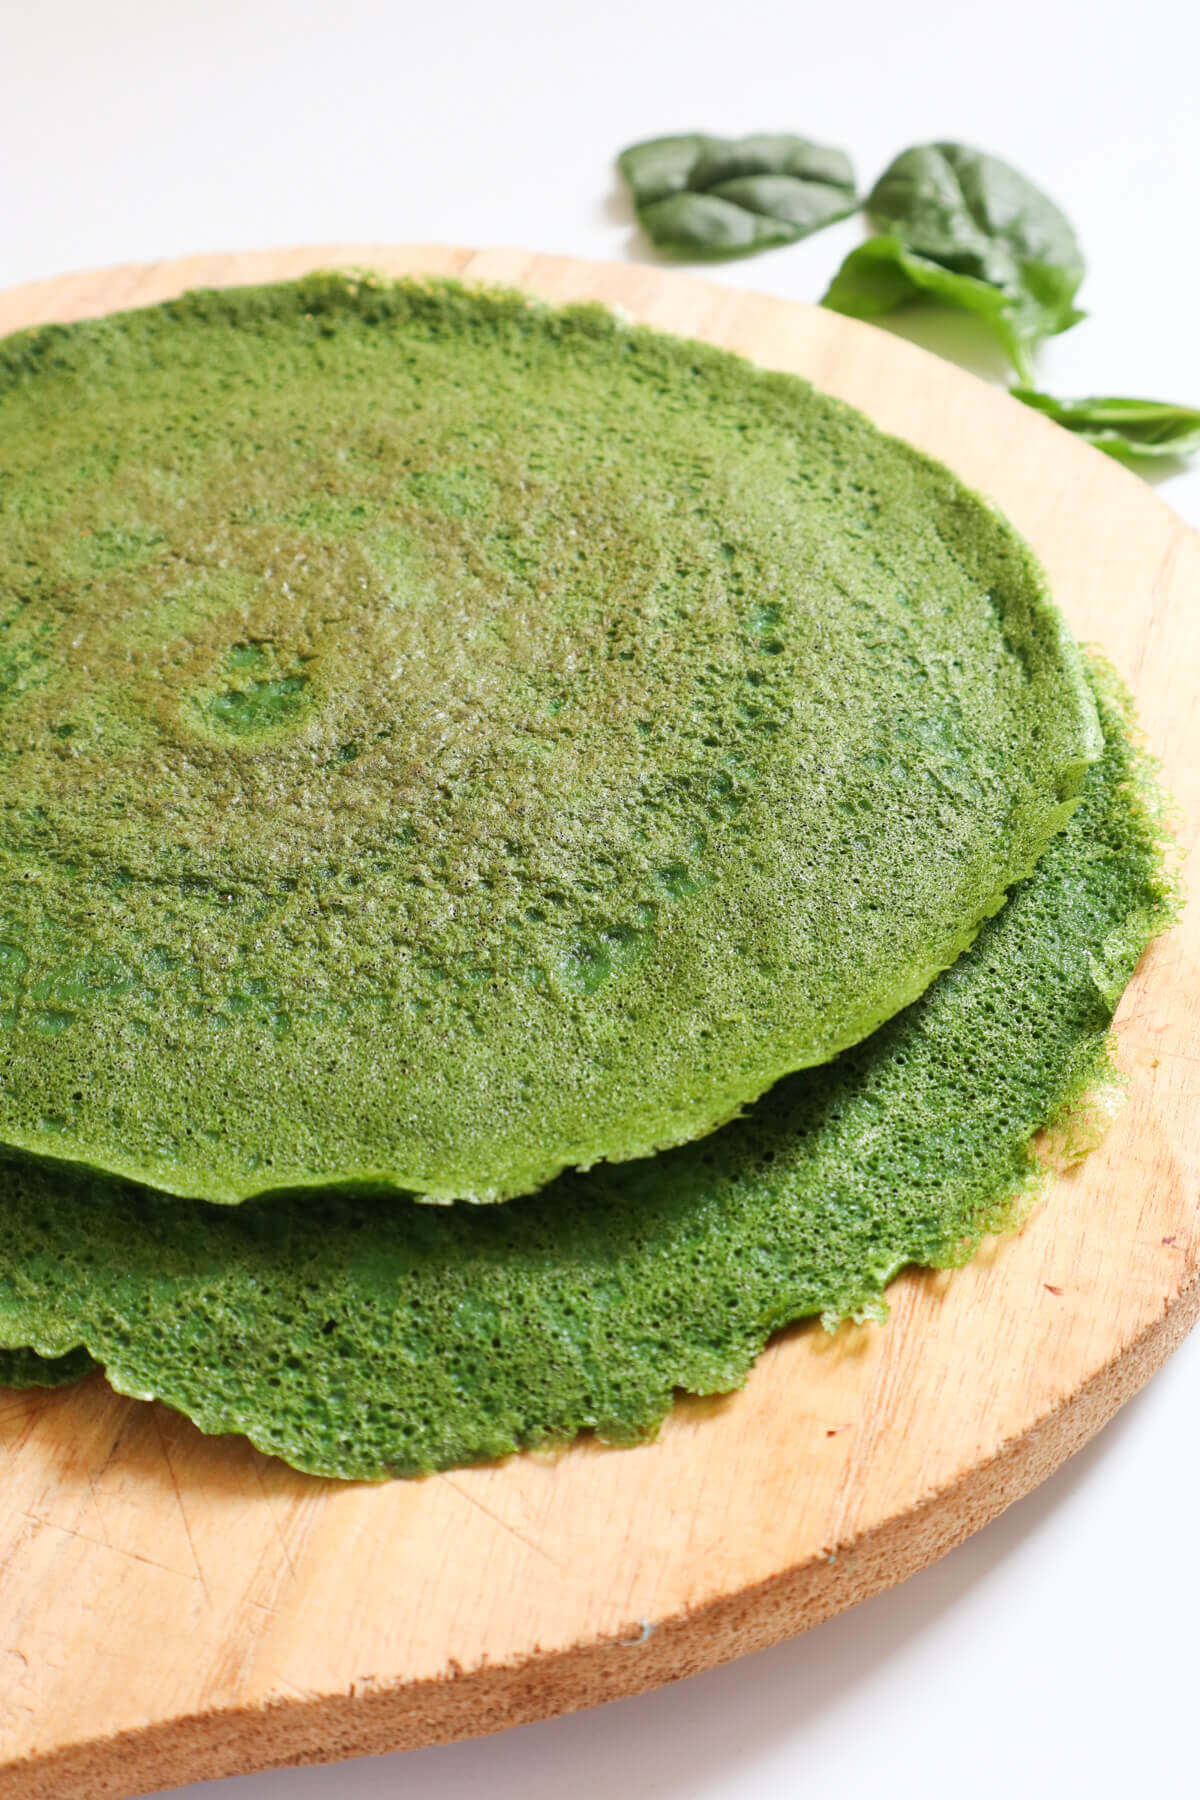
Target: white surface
[1055,1652]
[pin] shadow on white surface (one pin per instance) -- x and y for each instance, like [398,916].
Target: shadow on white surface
[717,1734]
[955,337]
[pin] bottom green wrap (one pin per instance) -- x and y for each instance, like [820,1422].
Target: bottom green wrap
[367,1336]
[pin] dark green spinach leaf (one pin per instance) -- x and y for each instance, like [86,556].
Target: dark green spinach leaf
[882,274]
[1126,429]
[970,231]
[707,197]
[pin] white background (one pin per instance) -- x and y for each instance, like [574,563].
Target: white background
[1057,1651]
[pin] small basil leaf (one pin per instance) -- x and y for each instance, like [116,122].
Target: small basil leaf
[978,215]
[975,217]
[1126,429]
[707,197]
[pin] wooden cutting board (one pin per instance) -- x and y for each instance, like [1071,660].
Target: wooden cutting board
[174,1607]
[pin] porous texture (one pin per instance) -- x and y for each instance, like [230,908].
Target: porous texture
[445,740]
[361,1339]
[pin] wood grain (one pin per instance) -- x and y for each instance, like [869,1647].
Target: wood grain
[174,1607]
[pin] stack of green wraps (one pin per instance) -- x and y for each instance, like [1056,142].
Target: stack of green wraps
[532,854]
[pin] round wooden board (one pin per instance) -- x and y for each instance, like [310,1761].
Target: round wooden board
[175,1607]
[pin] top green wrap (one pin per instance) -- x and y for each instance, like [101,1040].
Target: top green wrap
[444,740]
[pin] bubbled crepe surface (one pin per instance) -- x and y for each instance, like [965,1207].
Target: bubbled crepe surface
[444,740]
[364,1339]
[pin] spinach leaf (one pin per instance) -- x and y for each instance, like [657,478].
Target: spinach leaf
[1126,429]
[882,274]
[970,231]
[707,197]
